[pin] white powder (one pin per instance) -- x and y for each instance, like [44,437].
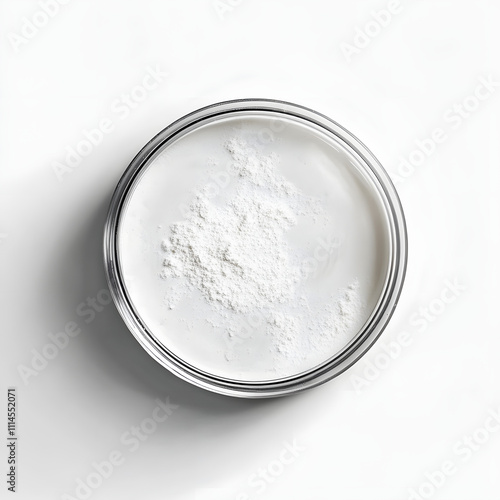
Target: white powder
[235,250]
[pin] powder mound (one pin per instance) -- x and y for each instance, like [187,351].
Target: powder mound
[236,253]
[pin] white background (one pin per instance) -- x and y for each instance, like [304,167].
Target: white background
[375,431]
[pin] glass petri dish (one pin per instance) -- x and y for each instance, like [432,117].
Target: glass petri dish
[342,283]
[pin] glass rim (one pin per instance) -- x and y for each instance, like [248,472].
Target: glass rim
[338,362]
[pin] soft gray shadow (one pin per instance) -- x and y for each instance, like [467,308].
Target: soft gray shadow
[206,420]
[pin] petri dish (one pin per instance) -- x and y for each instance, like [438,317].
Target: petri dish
[255,248]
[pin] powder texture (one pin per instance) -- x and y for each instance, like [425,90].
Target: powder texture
[233,248]
[236,255]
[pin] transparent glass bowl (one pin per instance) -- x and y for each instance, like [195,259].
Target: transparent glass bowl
[378,319]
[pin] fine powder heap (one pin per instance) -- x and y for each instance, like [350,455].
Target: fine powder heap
[234,249]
